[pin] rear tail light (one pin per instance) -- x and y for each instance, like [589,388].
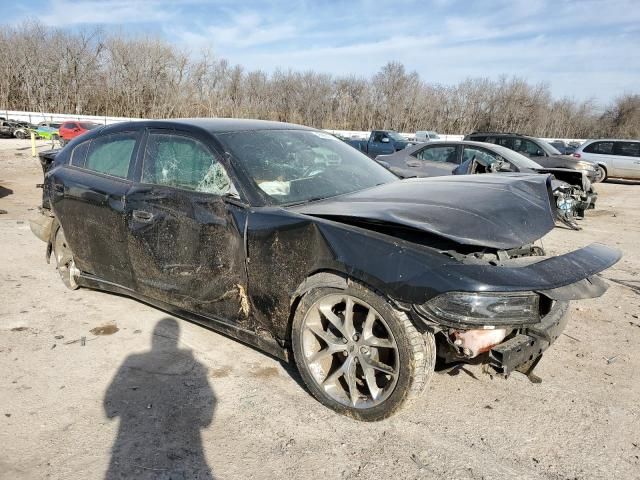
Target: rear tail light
[577,155]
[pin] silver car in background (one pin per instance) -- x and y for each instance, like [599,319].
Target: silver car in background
[615,158]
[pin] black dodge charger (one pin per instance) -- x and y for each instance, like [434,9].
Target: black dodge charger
[290,240]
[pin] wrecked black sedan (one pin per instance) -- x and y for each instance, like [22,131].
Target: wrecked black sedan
[290,240]
[572,189]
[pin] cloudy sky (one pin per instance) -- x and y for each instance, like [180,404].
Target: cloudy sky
[582,48]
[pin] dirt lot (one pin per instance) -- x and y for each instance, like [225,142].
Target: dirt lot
[68,407]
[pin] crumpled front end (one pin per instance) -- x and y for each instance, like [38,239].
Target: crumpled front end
[510,329]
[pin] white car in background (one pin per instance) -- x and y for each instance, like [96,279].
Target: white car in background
[615,158]
[426,136]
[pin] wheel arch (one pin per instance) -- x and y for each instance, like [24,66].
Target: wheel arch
[327,278]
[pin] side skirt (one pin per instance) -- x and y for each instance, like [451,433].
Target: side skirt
[247,337]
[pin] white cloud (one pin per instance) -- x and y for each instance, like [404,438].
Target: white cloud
[62,13]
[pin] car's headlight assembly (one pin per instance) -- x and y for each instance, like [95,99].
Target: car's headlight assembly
[486,309]
[585,166]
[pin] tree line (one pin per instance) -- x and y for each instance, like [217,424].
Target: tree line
[96,73]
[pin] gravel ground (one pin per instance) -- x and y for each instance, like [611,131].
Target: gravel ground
[150,396]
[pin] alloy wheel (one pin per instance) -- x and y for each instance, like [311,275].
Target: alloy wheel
[350,351]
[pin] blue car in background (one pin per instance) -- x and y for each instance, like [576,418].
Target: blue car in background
[381,142]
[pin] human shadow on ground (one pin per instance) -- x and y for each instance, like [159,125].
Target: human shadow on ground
[163,399]
[5,192]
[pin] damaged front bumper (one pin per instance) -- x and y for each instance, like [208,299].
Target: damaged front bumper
[521,351]
[518,311]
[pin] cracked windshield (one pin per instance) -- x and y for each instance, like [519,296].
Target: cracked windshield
[296,166]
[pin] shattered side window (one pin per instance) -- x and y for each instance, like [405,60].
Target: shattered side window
[183,162]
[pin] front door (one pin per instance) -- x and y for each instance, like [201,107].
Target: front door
[185,235]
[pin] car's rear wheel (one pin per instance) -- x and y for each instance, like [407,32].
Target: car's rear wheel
[601,174]
[357,354]
[64,260]
[20,135]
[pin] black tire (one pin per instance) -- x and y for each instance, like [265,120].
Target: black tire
[62,141]
[602,174]
[20,135]
[416,354]
[64,259]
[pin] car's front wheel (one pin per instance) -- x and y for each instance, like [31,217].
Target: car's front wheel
[357,354]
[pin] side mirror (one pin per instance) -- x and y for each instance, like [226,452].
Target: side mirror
[539,153]
[385,140]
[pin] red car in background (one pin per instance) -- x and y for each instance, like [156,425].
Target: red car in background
[70,130]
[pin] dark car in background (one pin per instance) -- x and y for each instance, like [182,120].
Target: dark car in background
[70,130]
[380,142]
[542,152]
[14,128]
[563,147]
[357,276]
[572,189]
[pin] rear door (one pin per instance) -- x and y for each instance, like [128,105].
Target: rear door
[626,159]
[185,232]
[88,198]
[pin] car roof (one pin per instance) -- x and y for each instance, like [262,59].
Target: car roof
[611,140]
[211,125]
[504,134]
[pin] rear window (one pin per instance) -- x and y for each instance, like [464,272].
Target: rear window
[68,125]
[111,154]
[605,148]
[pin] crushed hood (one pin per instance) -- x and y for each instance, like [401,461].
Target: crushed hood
[491,210]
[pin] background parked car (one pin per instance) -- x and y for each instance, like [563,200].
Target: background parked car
[9,128]
[572,189]
[381,142]
[71,130]
[48,130]
[426,136]
[564,148]
[542,152]
[614,158]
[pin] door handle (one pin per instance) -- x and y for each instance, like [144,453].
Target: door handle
[142,216]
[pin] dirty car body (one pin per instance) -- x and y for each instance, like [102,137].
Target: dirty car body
[291,241]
